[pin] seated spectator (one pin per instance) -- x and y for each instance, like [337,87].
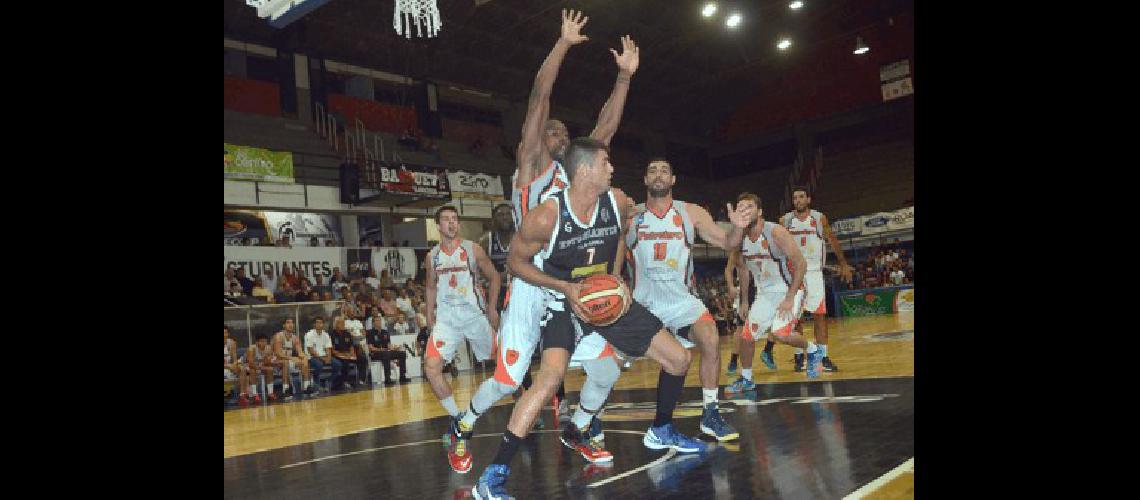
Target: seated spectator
[374,320]
[319,284]
[386,280]
[259,291]
[421,320]
[259,359]
[344,356]
[400,325]
[338,280]
[388,305]
[330,243]
[290,278]
[327,297]
[404,303]
[235,291]
[314,296]
[319,346]
[380,348]
[372,280]
[246,283]
[897,276]
[314,242]
[230,281]
[291,358]
[232,369]
[871,278]
[304,291]
[268,280]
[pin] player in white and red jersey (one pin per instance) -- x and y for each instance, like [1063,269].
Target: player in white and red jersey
[660,242]
[771,258]
[457,308]
[811,230]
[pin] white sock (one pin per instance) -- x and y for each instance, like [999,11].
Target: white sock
[269,388]
[308,383]
[799,350]
[811,348]
[709,395]
[746,373]
[252,390]
[284,388]
[581,419]
[823,347]
[469,419]
[449,405]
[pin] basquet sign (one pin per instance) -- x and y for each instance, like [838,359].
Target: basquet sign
[256,164]
[868,302]
[425,182]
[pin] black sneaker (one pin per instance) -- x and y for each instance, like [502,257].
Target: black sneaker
[310,391]
[799,361]
[828,366]
[454,371]
[405,380]
[389,382]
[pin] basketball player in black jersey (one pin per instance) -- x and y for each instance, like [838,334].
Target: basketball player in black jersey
[567,250]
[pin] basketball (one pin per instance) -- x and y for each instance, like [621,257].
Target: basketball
[604,299]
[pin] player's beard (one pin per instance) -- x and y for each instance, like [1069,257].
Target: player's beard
[659,193]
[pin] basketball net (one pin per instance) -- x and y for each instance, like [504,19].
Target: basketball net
[423,13]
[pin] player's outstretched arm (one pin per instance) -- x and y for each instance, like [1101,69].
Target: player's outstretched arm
[713,233]
[531,152]
[610,116]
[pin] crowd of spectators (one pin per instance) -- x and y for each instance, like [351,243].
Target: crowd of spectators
[887,265]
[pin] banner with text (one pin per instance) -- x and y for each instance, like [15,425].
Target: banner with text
[847,227]
[301,227]
[305,261]
[417,180]
[868,302]
[256,164]
[467,185]
[901,219]
[239,225]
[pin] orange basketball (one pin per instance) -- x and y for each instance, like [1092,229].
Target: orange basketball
[603,298]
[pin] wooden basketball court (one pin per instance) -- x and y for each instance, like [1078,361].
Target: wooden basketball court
[848,433]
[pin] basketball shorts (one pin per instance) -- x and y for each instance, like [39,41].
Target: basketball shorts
[814,299]
[520,334]
[763,317]
[630,334]
[678,313]
[451,329]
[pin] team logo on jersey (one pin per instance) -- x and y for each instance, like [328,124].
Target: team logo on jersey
[567,227]
[605,215]
[462,290]
[672,263]
[677,220]
[512,357]
[813,222]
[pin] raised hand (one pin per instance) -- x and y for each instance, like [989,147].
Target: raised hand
[572,24]
[740,217]
[629,58]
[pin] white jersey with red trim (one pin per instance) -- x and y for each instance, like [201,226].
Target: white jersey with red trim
[549,181]
[661,250]
[769,266]
[457,294]
[808,233]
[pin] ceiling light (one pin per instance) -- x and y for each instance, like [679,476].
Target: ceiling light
[733,20]
[860,47]
[709,10]
[796,5]
[784,44]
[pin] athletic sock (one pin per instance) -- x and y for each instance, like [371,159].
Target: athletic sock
[811,348]
[709,395]
[449,405]
[823,348]
[746,373]
[668,392]
[507,448]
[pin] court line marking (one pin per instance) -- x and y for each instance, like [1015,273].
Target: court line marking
[870,487]
[667,455]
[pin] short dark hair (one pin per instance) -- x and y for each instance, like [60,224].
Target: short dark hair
[659,159]
[443,209]
[227,327]
[581,150]
[318,318]
[807,192]
[261,336]
[507,206]
[748,196]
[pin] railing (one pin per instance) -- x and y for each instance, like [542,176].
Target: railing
[246,322]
